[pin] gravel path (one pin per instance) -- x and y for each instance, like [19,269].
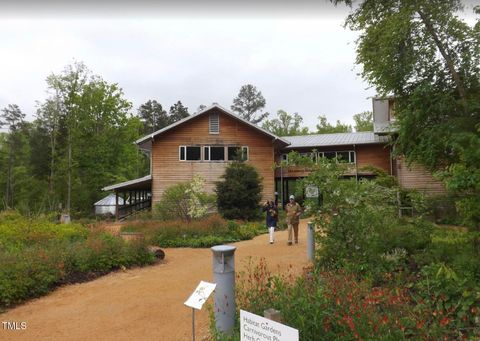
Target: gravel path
[144,303]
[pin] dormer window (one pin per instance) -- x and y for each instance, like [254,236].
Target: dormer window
[214,126]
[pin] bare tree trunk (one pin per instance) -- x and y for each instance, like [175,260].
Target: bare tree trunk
[443,51]
[53,145]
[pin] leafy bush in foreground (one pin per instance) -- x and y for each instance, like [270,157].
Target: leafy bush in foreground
[336,305]
[376,276]
[37,256]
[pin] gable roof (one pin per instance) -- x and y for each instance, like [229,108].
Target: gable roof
[146,141]
[337,139]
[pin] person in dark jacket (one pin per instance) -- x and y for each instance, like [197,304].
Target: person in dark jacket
[272,217]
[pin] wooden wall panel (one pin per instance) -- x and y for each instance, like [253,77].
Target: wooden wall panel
[417,177]
[377,155]
[167,170]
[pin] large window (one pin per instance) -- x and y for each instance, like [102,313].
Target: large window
[342,157]
[213,153]
[237,153]
[217,153]
[190,153]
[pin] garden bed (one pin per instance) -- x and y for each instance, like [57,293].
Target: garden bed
[206,232]
[38,255]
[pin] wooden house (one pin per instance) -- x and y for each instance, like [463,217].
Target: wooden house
[206,142]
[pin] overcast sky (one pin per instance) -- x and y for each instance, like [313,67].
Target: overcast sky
[301,58]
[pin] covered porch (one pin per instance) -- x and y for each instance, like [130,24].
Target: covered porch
[131,196]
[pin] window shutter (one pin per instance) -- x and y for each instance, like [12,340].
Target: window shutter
[214,123]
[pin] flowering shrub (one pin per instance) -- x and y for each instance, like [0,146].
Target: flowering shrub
[333,305]
[185,201]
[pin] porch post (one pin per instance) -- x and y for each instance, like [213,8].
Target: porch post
[116,205]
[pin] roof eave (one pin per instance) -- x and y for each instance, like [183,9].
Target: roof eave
[151,136]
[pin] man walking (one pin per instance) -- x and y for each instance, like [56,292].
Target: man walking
[293,210]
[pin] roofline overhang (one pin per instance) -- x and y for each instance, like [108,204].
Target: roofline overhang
[336,145]
[143,180]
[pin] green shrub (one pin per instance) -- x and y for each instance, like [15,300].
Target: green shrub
[377,276]
[239,192]
[206,232]
[17,230]
[37,255]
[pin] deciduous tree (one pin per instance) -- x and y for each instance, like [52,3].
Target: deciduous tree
[429,59]
[285,124]
[363,121]
[12,118]
[323,127]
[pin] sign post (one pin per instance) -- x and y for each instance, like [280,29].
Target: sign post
[310,241]
[198,298]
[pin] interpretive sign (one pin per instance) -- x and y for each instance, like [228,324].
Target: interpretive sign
[200,295]
[311,191]
[258,328]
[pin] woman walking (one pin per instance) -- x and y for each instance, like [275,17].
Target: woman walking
[272,218]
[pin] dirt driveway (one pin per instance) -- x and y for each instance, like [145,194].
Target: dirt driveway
[144,303]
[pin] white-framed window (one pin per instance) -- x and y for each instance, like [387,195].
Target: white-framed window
[206,153]
[217,153]
[245,153]
[237,153]
[214,123]
[189,153]
[347,156]
[285,158]
[213,153]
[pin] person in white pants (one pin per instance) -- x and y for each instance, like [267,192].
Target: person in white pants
[272,217]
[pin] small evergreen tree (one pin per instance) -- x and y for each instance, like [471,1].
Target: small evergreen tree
[239,192]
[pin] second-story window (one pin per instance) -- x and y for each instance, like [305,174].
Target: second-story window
[217,153]
[189,153]
[237,153]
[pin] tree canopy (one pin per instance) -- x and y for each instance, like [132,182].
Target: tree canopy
[80,141]
[324,127]
[177,112]
[429,59]
[249,104]
[363,121]
[285,124]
